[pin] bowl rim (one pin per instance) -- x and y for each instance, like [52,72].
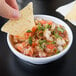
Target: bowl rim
[43,58]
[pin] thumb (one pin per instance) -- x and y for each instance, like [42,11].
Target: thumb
[7,11]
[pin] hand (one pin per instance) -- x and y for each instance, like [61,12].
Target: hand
[9,9]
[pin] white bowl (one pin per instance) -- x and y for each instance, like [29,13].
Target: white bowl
[46,59]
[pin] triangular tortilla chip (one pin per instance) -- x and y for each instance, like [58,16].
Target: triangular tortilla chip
[24,23]
[72,14]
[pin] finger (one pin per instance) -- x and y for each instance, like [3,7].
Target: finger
[8,12]
[12,3]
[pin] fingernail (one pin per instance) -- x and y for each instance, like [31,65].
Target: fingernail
[16,14]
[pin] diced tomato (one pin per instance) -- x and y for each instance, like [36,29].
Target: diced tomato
[55,50]
[27,35]
[65,33]
[59,32]
[34,29]
[19,47]
[30,53]
[64,38]
[51,46]
[16,36]
[49,54]
[21,38]
[60,26]
[43,22]
[50,22]
[34,44]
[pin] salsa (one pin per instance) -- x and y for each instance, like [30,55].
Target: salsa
[45,39]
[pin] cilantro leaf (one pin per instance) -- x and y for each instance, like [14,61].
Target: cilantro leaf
[60,29]
[28,31]
[30,40]
[42,41]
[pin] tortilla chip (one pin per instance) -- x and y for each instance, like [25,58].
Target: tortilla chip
[72,14]
[21,25]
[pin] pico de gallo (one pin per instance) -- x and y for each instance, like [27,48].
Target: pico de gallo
[45,39]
